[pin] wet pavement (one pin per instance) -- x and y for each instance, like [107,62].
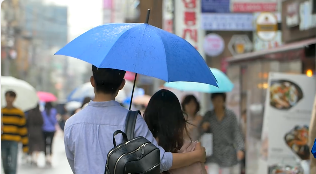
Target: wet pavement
[59,161]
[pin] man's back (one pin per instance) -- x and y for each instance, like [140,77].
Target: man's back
[89,133]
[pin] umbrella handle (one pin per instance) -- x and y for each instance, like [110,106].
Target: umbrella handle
[130,104]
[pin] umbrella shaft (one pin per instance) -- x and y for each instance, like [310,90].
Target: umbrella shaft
[130,104]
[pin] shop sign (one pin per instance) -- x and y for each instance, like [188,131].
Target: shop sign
[251,6]
[292,14]
[187,14]
[215,6]
[260,44]
[167,15]
[239,44]
[227,22]
[308,20]
[213,45]
[267,26]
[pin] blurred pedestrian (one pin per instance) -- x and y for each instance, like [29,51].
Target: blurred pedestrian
[228,144]
[191,107]
[36,141]
[243,125]
[86,100]
[49,129]
[14,131]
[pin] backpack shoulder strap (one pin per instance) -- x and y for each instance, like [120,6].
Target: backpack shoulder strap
[130,124]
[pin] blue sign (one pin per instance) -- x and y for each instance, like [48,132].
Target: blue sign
[215,6]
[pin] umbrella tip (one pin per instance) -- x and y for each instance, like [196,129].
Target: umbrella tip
[148,14]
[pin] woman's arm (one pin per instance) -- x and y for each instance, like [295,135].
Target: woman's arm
[186,159]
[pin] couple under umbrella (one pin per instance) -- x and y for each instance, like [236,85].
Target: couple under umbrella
[113,49]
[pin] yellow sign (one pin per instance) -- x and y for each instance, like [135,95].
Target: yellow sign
[267,26]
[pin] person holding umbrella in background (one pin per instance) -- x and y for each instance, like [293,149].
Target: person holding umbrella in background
[14,131]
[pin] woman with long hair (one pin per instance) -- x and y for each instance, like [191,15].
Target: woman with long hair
[35,134]
[85,101]
[167,123]
[191,106]
[49,129]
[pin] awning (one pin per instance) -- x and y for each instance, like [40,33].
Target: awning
[284,48]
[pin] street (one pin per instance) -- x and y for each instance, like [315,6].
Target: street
[60,163]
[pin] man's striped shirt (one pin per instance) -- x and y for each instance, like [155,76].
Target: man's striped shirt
[14,126]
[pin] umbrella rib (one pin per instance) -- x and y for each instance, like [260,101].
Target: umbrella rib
[165,53]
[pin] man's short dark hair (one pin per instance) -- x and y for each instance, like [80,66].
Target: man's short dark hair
[10,93]
[107,80]
[214,95]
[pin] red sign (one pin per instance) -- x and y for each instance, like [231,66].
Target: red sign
[190,29]
[254,7]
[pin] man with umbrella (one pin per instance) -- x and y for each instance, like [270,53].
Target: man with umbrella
[14,131]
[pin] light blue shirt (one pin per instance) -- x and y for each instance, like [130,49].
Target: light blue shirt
[88,137]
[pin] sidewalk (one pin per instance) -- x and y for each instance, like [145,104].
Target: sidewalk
[60,163]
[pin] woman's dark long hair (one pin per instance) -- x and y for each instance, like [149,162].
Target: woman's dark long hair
[165,120]
[48,108]
[187,99]
[85,101]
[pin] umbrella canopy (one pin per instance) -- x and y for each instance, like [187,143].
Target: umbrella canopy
[26,98]
[46,96]
[224,84]
[141,100]
[86,90]
[73,105]
[143,49]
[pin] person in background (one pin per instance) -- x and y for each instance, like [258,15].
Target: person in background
[36,141]
[14,131]
[49,129]
[167,123]
[228,144]
[312,138]
[86,100]
[243,125]
[191,107]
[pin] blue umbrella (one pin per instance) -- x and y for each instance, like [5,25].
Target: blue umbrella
[143,49]
[224,84]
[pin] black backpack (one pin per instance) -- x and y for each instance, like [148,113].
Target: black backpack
[134,155]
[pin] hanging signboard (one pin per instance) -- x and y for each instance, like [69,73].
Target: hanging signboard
[187,21]
[288,108]
[239,44]
[250,6]
[227,22]
[267,26]
[213,45]
[215,6]
[167,15]
[292,14]
[307,19]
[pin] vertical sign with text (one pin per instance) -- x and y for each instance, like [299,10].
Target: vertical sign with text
[187,21]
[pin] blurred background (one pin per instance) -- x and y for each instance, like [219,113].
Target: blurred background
[231,35]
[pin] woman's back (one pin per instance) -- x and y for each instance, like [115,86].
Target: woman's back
[50,119]
[166,121]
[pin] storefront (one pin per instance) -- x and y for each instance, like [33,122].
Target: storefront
[296,55]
